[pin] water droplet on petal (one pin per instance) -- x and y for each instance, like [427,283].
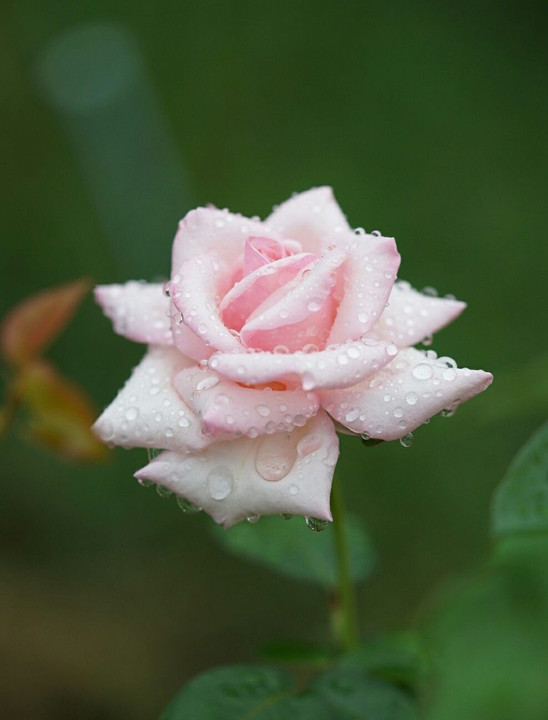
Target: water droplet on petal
[411,398]
[207,382]
[293,490]
[287,516]
[220,482]
[132,413]
[276,456]
[422,371]
[163,492]
[407,440]
[253,518]
[187,507]
[315,524]
[263,410]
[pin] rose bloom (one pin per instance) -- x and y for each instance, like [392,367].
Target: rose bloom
[268,338]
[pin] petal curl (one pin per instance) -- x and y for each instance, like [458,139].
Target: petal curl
[411,316]
[148,412]
[228,408]
[195,290]
[206,230]
[139,311]
[298,314]
[280,473]
[336,367]
[313,218]
[368,276]
[404,395]
[247,294]
[187,341]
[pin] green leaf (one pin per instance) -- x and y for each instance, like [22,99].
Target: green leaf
[240,692]
[396,658]
[252,692]
[351,693]
[290,548]
[521,501]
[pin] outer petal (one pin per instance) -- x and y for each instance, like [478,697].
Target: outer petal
[336,367]
[245,296]
[402,396]
[226,407]
[187,341]
[139,311]
[369,274]
[412,316]
[207,230]
[280,473]
[300,314]
[195,290]
[313,218]
[148,412]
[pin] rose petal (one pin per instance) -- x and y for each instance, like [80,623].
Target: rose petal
[195,290]
[403,395]
[280,473]
[313,218]
[340,366]
[246,295]
[369,273]
[226,407]
[139,311]
[187,341]
[148,412]
[298,314]
[207,230]
[411,316]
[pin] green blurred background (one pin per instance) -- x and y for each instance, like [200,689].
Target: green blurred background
[429,121]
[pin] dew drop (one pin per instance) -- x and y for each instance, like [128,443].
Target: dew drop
[163,492]
[293,490]
[407,440]
[411,398]
[276,456]
[263,410]
[314,304]
[132,413]
[287,516]
[352,415]
[220,482]
[422,371]
[206,383]
[391,350]
[315,524]
[450,374]
[188,507]
[253,518]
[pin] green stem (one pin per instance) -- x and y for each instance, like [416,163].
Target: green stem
[345,614]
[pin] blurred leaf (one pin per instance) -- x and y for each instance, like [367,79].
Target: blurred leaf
[243,692]
[350,692]
[490,641]
[228,693]
[396,658]
[32,325]
[289,547]
[60,414]
[521,501]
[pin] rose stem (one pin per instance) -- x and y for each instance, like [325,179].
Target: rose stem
[344,611]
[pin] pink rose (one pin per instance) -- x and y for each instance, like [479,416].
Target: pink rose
[268,338]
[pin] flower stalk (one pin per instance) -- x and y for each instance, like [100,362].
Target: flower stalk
[344,608]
